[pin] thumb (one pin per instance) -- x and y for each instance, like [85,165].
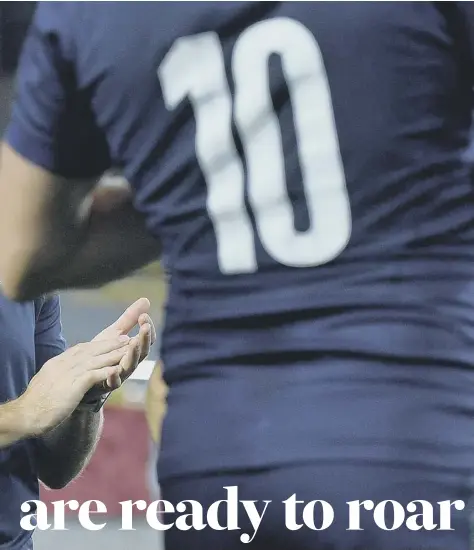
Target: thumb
[125,323]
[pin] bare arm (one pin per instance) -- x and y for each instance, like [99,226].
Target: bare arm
[65,450]
[70,446]
[53,154]
[49,405]
[56,233]
[114,243]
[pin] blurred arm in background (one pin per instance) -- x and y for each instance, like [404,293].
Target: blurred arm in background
[54,232]
[155,405]
[57,233]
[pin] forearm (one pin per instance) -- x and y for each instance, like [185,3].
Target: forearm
[14,424]
[110,245]
[66,450]
[115,244]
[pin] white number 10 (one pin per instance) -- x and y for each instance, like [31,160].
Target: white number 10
[194,68]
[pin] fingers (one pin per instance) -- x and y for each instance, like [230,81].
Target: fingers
[139,348]
[98,376]
[123,352]
[109,359]
[144,337]
[99,347]
[113,382]
[130,361]
[125,323]
[144,319]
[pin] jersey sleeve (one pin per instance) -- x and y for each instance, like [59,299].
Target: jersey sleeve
[49,340]
[52,123]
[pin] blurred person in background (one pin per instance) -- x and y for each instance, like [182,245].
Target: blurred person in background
[302,167]
[155,409]
[51,399]
[155,405]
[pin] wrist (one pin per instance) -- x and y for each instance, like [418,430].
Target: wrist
[25,418]
[93,403]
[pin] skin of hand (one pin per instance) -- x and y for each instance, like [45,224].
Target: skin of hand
[139,346]
[102,364]
[59,386]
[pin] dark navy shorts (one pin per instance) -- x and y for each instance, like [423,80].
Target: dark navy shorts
[336,483]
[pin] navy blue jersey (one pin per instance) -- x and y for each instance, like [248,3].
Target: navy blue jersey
[30,335]
[303,165]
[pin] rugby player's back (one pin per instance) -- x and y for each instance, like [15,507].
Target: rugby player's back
[302,165]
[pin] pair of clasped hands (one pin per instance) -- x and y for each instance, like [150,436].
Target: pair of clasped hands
[98,367]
